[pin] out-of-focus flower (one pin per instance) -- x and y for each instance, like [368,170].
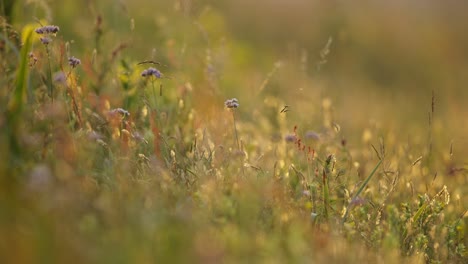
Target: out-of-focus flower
[232,103]
[312,135]
[50,29]
[151,72]
[73,62]
[290,138]
[59,77]
[46,40]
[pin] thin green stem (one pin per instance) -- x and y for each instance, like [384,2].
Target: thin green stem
[235,130]
[154,91]
[50,86]
[363,185]
[326,190]
[326,195]
[237,140]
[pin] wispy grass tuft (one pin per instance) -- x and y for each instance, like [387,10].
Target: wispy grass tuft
[112,172]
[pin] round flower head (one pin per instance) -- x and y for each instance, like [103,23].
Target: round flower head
[73,62]
[232,103]
[151,72]
[47,32]
[45,40]
[290,138]
[51,29]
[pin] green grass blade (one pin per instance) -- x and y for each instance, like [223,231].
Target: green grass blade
[326,196]
[17,100]
[326,191]
[361,188]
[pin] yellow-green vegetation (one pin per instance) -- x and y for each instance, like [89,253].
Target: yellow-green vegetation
[233,132]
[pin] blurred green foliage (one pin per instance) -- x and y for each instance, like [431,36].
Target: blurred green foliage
[352,140]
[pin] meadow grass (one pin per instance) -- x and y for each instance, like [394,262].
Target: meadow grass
[99,167]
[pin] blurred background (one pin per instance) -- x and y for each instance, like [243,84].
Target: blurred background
[381,63]
[399,49]
[413,46]
[387,73]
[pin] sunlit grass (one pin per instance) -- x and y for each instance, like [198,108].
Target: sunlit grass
[134,156]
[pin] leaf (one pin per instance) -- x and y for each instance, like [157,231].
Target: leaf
[17,100]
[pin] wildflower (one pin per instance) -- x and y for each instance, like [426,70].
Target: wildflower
[290,138]
[73,62]
[232,103]
[151,71]
[312,135]
[59,77]
[46,40]
[32,59]
[51,29]
[47,31]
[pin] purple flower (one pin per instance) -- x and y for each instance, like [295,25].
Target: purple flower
[60,77]
[46,40]
[51,29]
[232,103]
[290,138]
[151,71]
[47,31]
[312,135]
[73,62]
